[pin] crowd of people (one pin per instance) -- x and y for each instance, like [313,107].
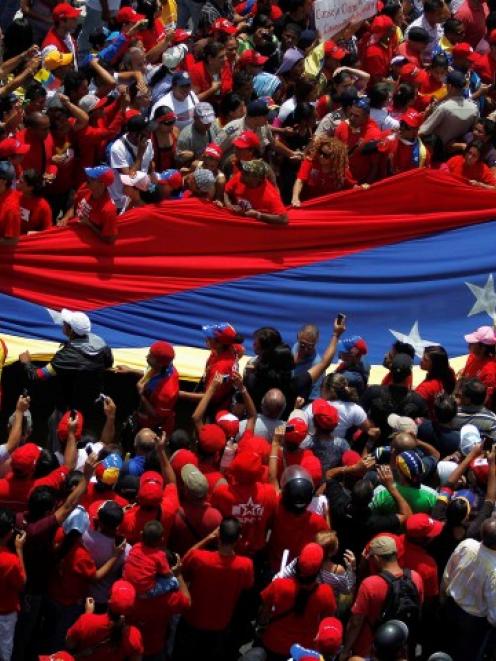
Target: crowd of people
[110,105]
[288,512]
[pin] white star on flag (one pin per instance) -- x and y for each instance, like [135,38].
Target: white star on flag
[485,298]
[414,339]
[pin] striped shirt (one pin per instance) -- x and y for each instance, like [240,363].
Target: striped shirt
[479,416]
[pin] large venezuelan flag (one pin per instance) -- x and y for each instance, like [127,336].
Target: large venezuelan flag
[413,256]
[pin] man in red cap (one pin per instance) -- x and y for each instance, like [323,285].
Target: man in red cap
[407,151]
[420,530]
[485,65]
[333,57]
[328,449]
[378,53]
[65,19]
[286,447]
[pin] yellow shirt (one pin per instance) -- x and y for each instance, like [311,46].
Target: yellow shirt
[313,61]
[169,14]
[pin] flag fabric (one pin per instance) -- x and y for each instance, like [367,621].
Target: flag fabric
[411,258]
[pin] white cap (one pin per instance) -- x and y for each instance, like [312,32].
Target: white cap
[401,423]
[469,437]
[78,321]
[173,56]
[141,180]
[78,520]
[444,470]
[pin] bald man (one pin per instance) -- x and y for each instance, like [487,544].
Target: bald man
[272,407]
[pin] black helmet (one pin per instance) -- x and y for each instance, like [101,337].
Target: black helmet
[390,638]
[297,489]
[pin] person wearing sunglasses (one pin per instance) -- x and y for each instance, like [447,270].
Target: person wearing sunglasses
[164,138]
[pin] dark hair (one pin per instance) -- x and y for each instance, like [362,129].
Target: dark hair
[489,126]
[439,60]
[303,88]
[97,39]
[302,111]
[73,80]
[153,532]
[73,479]
[403,95]
[339,383]
[269,338]
[179,439]
[379,94]
[452,25]
[490,22]
[229,531]
[404,347]
[478,144]
[361,494]
[47,462]
[18,37]
[474,390]
[456,512]
[70,540]
[117,631]
[7,521]
[35,180]
[241,77]
[41,502]
[161,73]
[445,408]
[391,8]
[34,90]
[418,35]
[440,367]
[148,8]
[432,5]
[488,533]
[211,49]
[260,21]
[229,103]
[110,515]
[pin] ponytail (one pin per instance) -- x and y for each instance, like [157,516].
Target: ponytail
[117,631]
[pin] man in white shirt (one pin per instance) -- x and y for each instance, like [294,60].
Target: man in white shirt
[131,153]
[181,99]
[435,13]
[272,407]
[469,583]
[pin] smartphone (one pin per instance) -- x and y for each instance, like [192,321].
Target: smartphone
[73,414]
[160,431]
[290,427]
[25,392]
[340,318]
[225,378]
[487,444]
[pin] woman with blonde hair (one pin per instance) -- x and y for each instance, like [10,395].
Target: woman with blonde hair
[325,169]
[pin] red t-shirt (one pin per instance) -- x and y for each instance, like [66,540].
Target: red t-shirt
[36,214]
[280,595]
[360,164]
[151,36]
[64,145]
[221,363]
[12,580]
[477,172]
[193,522]
[416,558]
[14,491]
[39,156]
[90,630]
[473,14]
[319,183]
[429,389]
[152,616]
[369,602]
[292,532]
[405,49]
[53,39]
[265,197]
[483,369]
[294,458]
[142,566]
[253,505]
[135,518]
[202,80]
[10,215]
[215,584]
[101,212]
[91,141]
[94,495]
[213,475]
[485,66]
[403,158]
[377,60]
[73,576]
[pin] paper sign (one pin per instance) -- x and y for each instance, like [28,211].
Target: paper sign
[331,16]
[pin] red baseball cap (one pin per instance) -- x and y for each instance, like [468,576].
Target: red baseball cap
[180,36]
[412,118]
[57,656]
[480,468]
[252,57]
[63,426]
[313,465]
[223,25]
[310,559]
[331,49]
[213,150]
[182,457]
[299,432]
[122,597]
[128,15]
[64,10]
[330,635]
[12,147]
[464,50]
[246,467]
[129,114]
[23,460]
[381,24]
[163,352]
[258,444]
[151,488]
[411,73]
[247,140]
[228,422]
[211,439]
[350,458]
[422,526]
[325,415]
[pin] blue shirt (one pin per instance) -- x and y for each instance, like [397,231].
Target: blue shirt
[304,366]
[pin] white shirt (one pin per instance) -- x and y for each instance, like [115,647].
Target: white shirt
[350,415]
[384,120]
[183,109]
[435,33]
[264,426]
[82,455]
[122,155]
[101,548]
[470,579]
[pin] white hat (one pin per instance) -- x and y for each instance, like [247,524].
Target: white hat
[141,180]
[173,57]
[444,470]
[78,520]
[401,423]
[469,437]
[78,321]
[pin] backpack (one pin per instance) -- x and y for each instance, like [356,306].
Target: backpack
[402,601]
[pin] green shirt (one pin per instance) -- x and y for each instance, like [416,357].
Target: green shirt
[421,499]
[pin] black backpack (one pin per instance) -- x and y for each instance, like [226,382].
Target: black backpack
[402,601]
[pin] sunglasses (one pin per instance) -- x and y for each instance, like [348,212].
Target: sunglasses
[169,123]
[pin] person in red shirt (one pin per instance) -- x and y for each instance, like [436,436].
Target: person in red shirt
[481,362]
[356,133]
[36,134]
[10,211]
[12,580]
[154,29]
[414,45]
[108,636]
[93,205]
[292,608]
[36,213]
[208,76]
[325,169]
[407,151]
[154,504]
[252,502]
[159,389]
[440,376]
[217,581]
[164,138]
[473,14]
[485,65]
[65,18]
[471,167]
[14,151]
[420,530]
[378,53]
[371,597]
[250,193]
[72,575]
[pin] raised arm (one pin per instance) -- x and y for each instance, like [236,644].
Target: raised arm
[277,441]
[251,410]
[317,370]
[108,432]
[15,434]
[165,465]
[386,478]
[201,409]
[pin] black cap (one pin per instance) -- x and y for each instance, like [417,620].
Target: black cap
[456,79]
[390,637]
[137,124]
[348,97]
[257,108]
